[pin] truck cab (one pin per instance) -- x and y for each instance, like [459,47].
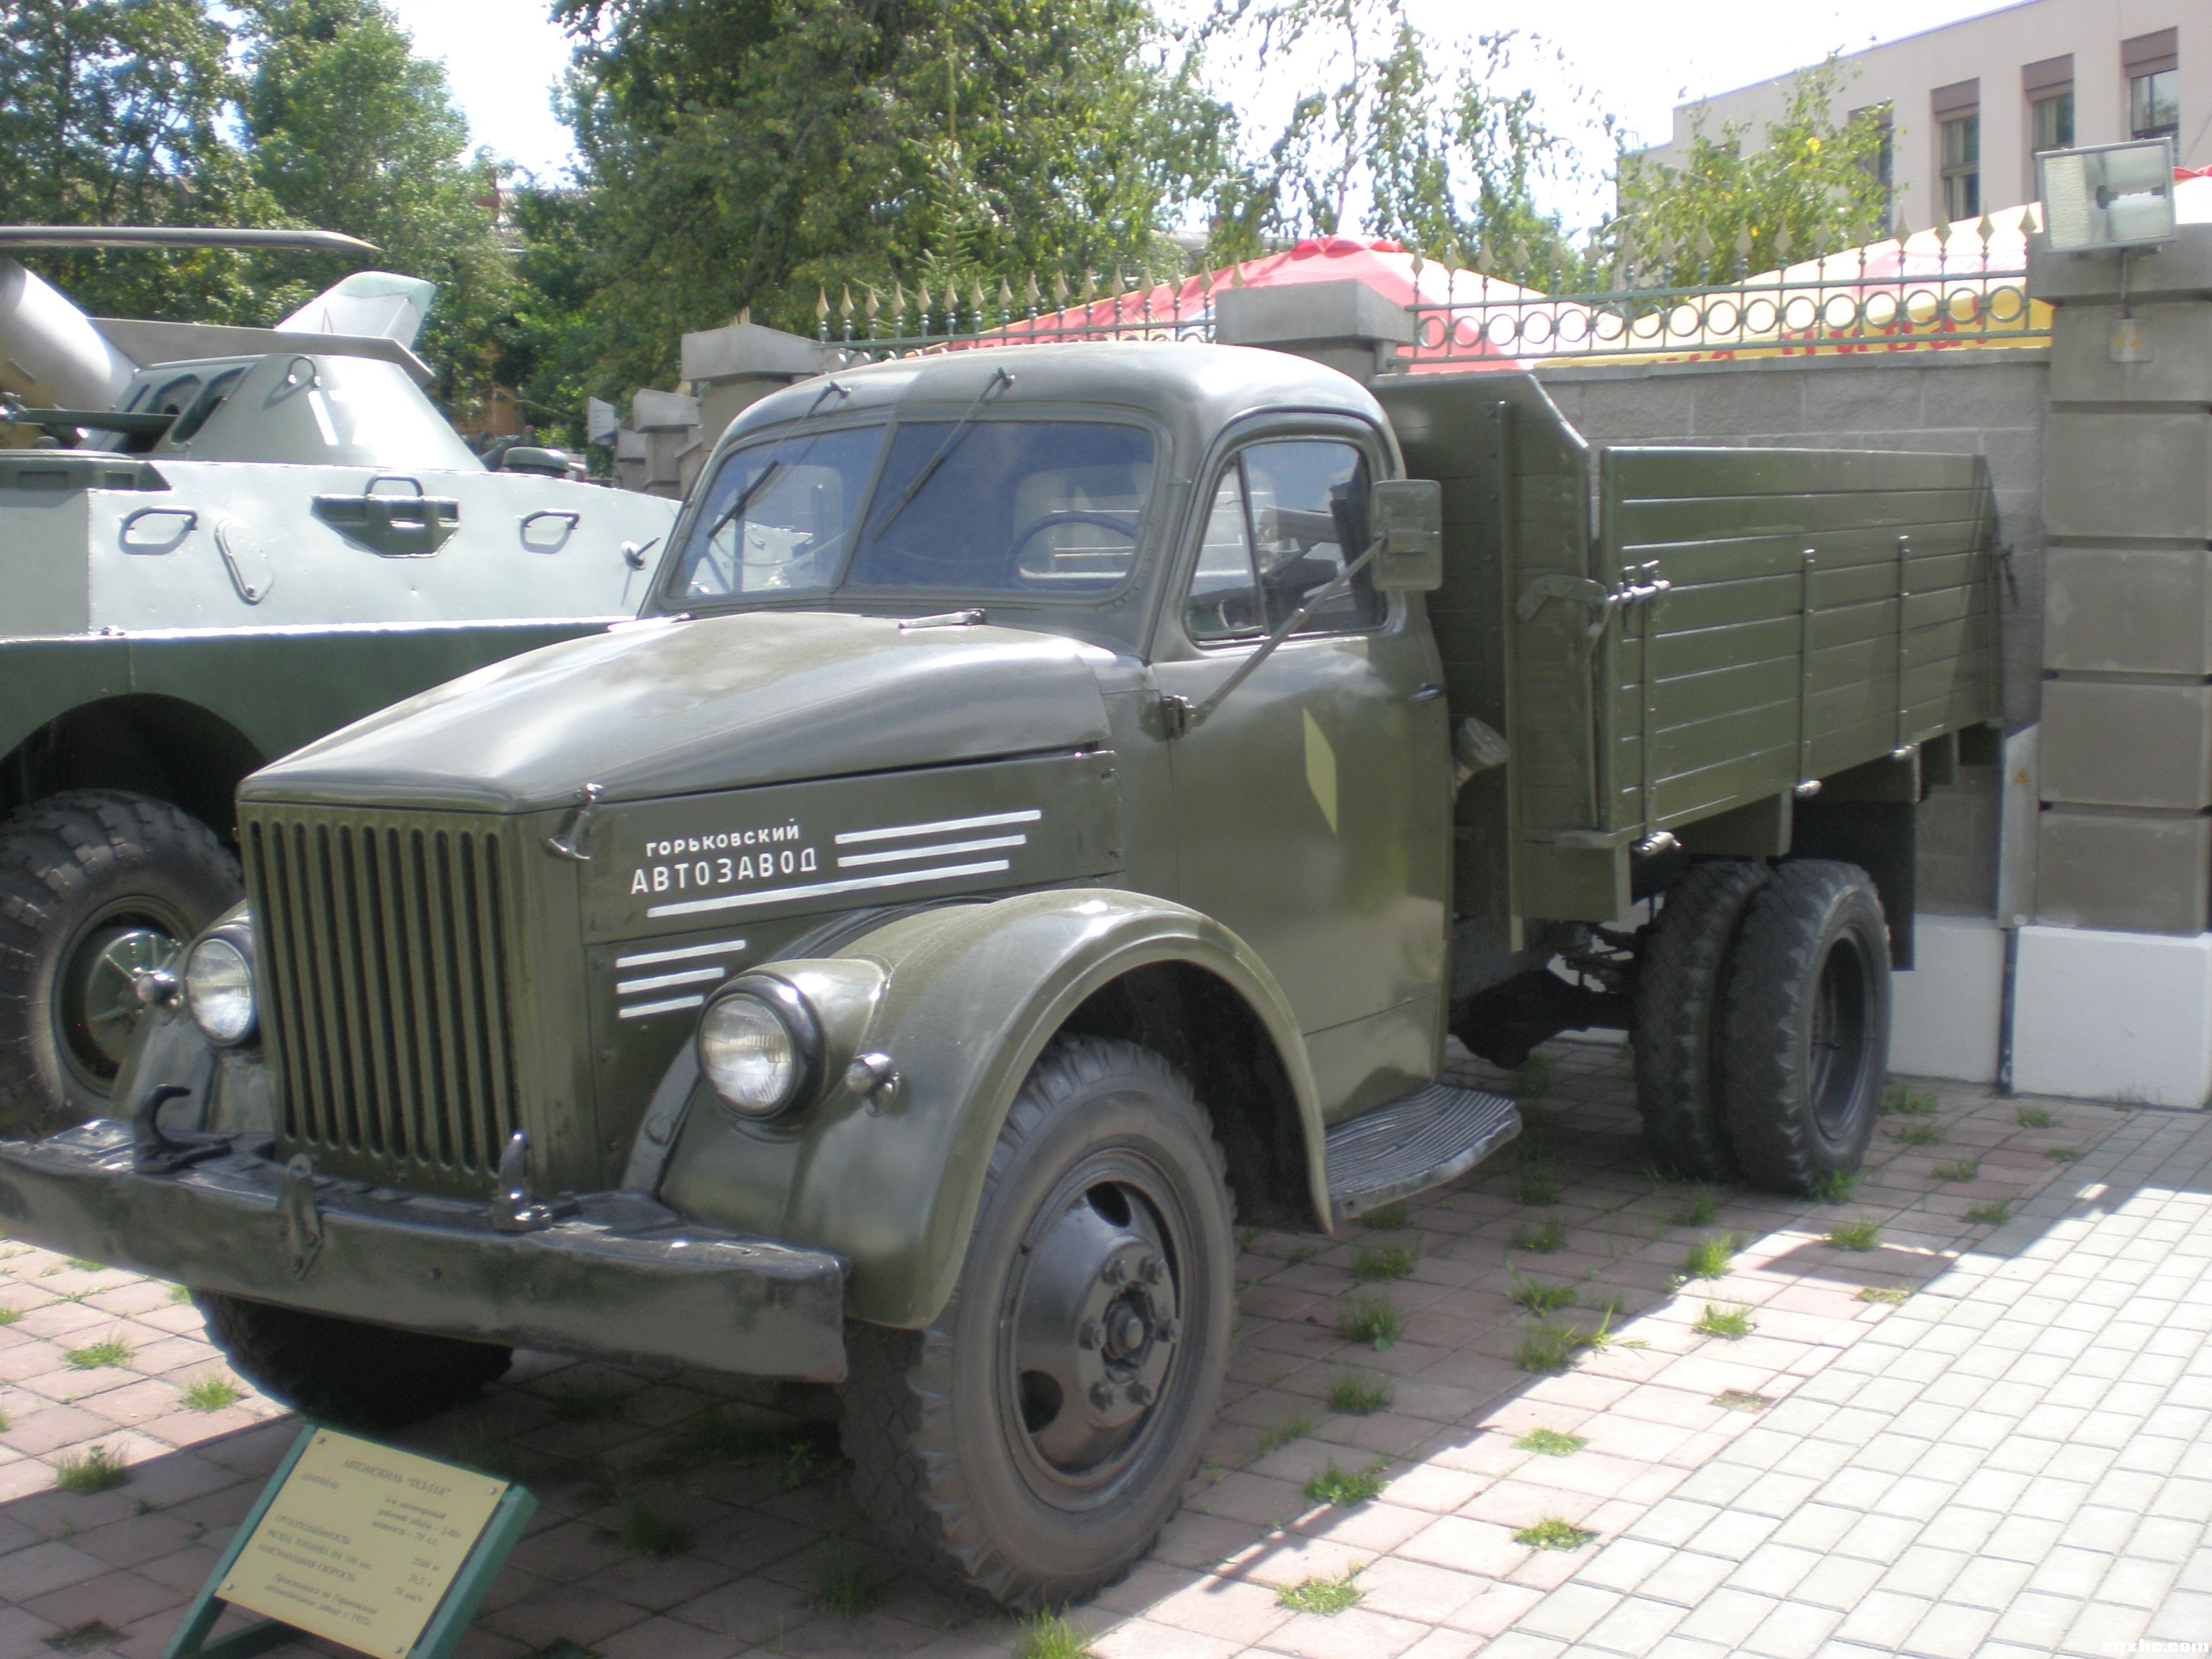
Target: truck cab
[1056,800]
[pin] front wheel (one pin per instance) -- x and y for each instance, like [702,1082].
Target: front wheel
[1808,1029]
[362,1375]
[1035,1436]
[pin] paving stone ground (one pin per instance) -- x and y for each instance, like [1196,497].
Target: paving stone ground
[1972,1434]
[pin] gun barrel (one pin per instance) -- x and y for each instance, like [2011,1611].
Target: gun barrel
[49,352]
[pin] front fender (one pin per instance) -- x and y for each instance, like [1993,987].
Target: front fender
[968,998]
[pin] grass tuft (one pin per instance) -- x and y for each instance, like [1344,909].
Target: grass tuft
[1290,1428]
[1854,1235]
[1708,1257]
[1326,1596]
[86,1265]
[1698,1208]
[646,1531]
[1370,1318]
[10,1316]
[1547,1347]
[1553,1534]
[1729,1322]
[1388,1218]
[1354,1395]
[180,1292]
[846,1584]
[1381,1265]
[2061,1154]
[1540,1237]
[1884,1293]
[1964,1169]
[1990,1212]
[1736,1400]
[597,1401]
[114,1351]
[1920,1135]
[2034,1117]
[1836,1186]
[1532,1077]
[94,1469]
[1540,1298]
[1050,1636]
[211,1393]
[1552,1442]
[1898,1101]
[1345,1487]
[88,1638]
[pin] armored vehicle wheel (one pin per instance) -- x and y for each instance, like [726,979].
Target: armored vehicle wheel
[1037,1437]
[1808,1026]
[1676,1018]
[97,887]
[367,1377]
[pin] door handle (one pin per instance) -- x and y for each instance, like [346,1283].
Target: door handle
[1426,693]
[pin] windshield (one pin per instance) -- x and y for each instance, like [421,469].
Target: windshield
[1046,507]
[778,516]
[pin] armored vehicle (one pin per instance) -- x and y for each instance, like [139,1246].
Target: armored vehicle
[1057,802]
[218,543]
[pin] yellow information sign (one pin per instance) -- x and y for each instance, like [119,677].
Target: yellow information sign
[360,1543]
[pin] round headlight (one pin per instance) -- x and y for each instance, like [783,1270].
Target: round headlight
[219,990]
[759,1048]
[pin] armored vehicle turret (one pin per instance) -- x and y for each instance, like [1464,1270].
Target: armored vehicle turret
[217,543]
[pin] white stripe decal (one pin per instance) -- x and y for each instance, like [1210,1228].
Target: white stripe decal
[640,1010]
[901,831]
[904,854]
[727,947]
[822,888]
[661,981]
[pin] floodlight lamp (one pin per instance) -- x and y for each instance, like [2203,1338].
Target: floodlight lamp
[2107,196]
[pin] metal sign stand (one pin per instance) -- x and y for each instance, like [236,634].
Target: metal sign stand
[439,1638]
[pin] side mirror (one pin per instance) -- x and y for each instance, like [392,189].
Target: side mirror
[1408,519]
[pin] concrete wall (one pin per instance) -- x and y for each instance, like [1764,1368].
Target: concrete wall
[1991,402]
[1993,49]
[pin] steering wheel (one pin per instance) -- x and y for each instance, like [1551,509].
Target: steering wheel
[1070,515]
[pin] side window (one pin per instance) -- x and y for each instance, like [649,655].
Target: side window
[1287,516]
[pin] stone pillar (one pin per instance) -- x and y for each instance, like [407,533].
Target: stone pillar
[1344,324]
[728,369]
[2123,878]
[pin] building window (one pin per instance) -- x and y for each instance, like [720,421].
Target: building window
[2051,121]
[1958,112]
[2153,65]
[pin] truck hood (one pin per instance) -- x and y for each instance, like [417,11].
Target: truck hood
[651,710]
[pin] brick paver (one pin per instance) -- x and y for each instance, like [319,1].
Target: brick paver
[2009,1452]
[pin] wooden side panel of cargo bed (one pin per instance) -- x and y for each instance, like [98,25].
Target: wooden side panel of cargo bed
[1822,608]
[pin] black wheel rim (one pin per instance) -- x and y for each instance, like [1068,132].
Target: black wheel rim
[96,1007]
[1841,1001]
[1091,1327]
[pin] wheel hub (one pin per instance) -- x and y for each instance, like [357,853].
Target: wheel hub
[101,1001]
[1095,1329]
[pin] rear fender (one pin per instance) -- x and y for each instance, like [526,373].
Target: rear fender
[963,1000]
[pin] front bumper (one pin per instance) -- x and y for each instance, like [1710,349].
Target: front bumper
[621,1277]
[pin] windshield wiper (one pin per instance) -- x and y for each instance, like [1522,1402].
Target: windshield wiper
[999,377]
[745,500]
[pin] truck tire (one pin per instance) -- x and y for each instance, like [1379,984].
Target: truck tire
[1681,975]
[1808,1026]
[1034,1438]
[365,1376]
[96,886]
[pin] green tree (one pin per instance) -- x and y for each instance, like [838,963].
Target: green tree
[346,128]
[746,153]
[1727,212]
[112,112]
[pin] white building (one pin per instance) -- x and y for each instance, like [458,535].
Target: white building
[1968,104]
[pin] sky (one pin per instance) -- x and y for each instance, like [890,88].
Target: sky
[1634,59]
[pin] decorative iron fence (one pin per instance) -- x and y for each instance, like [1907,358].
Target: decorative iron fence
[1963,285]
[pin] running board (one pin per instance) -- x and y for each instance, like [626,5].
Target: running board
[1418,1141]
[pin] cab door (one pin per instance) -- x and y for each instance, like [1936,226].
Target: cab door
[1313,806]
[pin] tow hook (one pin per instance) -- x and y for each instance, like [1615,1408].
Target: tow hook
[513,1208]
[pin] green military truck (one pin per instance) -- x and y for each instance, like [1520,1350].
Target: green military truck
[1057,800]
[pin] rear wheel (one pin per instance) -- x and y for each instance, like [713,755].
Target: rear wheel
[98,887]
[1676,1020]
[366,1376]
[1808,1026]
[1035,1437]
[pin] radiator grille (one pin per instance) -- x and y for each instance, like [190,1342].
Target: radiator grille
[385,955]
